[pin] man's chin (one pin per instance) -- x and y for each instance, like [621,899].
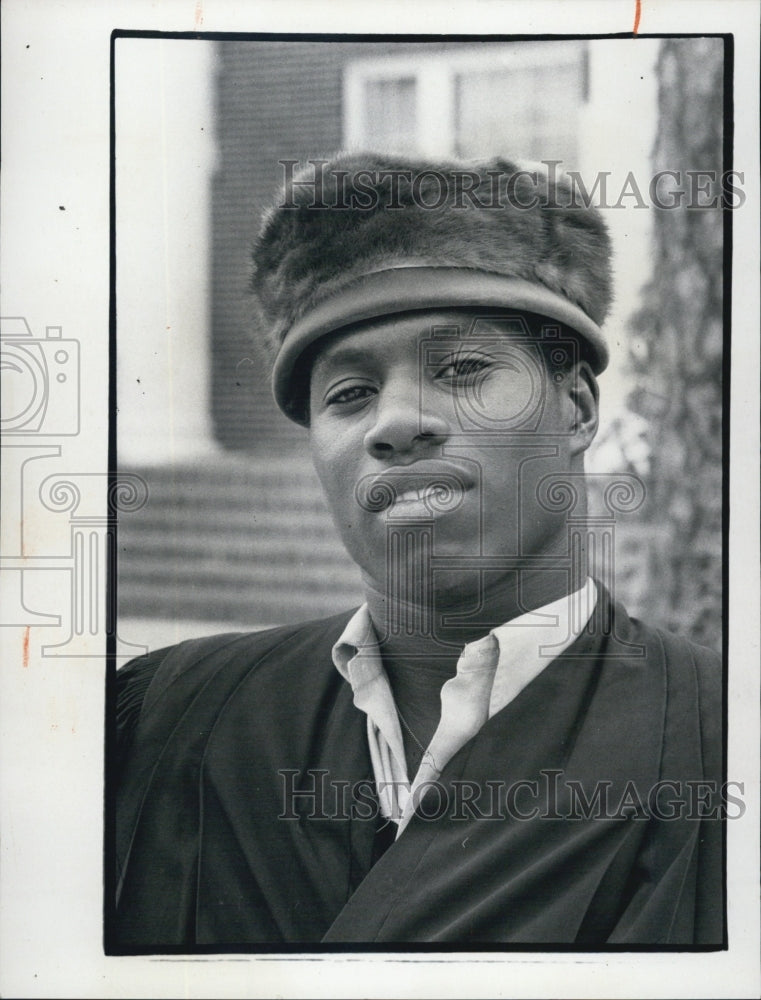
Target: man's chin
[439,589]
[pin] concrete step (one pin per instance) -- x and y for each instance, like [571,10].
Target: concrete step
[233,539]
[277,604]
[219,572]
[306,523]
[154,541]
[271,495]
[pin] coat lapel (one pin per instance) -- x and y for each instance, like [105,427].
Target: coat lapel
[478,872]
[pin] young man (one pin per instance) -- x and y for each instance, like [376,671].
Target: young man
[489,750]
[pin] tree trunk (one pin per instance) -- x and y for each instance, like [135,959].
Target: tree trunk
[677,349]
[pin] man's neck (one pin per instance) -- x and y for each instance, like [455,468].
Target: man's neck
[459,615]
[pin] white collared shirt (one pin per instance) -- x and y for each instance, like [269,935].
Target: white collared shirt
[491,671]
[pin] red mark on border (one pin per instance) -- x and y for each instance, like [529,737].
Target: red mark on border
[25,647]
[637,15]
[199,14]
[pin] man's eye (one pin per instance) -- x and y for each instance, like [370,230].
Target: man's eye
[463,369]
[348,394]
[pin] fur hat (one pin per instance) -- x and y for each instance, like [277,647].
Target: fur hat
[361,236]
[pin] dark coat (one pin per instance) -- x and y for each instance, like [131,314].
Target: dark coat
[216,847]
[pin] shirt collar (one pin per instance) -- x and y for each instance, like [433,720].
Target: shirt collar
[532,641]
[527,645]
[359,635]
[540,635]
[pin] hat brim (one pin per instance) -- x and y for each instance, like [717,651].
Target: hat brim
[403,289]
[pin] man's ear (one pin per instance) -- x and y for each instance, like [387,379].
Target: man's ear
[584,397]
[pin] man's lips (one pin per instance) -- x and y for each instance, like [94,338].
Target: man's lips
[431,486]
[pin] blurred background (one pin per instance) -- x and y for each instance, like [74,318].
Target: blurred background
[235,533]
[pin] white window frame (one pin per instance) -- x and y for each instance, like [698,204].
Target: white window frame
[435,76]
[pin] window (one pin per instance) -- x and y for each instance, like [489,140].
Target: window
[522,99]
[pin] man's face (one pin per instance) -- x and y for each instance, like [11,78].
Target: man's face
[450,421]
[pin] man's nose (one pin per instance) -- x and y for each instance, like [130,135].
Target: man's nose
[403,427]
